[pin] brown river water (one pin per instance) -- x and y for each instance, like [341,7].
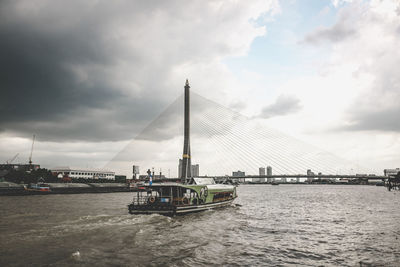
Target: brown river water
[285,225]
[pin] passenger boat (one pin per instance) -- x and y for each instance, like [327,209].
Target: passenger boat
[178,199]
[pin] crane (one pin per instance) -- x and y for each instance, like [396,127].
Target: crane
[30,157]
[12,159]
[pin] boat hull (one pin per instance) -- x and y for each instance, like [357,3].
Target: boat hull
[171,210]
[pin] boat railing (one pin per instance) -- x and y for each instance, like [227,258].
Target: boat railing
[145,200]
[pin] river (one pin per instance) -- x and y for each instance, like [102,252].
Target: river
[285,225]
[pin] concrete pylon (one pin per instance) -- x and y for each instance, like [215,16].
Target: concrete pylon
[186,172]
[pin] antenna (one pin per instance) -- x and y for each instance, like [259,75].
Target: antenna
[30,157]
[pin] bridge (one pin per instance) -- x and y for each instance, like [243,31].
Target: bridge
[325,176]
[223,140]
[298,176]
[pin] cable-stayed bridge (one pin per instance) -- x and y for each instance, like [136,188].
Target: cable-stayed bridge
[269,178]
[222,141]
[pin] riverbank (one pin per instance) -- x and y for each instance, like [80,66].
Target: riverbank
[13,189]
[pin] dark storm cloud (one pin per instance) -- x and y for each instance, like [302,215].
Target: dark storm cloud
[284,104]
[55,76]
[100,70]
[39,91]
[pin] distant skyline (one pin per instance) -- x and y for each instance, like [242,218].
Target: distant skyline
[87,77]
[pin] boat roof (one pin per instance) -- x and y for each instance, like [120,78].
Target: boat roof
[209,186]
[204,181]
[163,184]
[197,181]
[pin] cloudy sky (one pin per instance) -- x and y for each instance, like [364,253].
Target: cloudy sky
[88,76]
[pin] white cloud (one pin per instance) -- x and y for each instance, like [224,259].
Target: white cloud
[338,3]
[351,108]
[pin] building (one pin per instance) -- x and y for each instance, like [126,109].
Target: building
[391,172]
[120,178]
[269,173]
[76,173]
[269,170]
[261,172]
[135,171]
[238,174]
[195,169]
[310,173]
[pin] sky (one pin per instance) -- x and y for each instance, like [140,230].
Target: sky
[88,77]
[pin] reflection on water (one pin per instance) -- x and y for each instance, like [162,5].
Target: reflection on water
[273,225]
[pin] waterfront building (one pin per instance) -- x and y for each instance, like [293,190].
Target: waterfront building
[391,172]
[261,171]
[238,173]
[120,178]
[78,173]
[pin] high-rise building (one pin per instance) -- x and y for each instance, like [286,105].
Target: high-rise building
[269,173]
[269,170]
[261,171]
[195,170]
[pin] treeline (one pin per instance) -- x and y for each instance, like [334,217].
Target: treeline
[34,176]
